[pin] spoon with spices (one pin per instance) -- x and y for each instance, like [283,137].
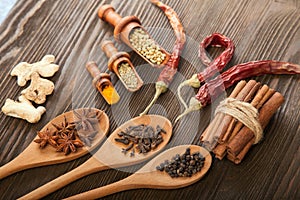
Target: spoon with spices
[113,153]
[153,176]
[66,137]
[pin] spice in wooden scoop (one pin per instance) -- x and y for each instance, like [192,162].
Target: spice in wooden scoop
[102,82]
[129,30]
[128,75]
[120,64]
[146,46]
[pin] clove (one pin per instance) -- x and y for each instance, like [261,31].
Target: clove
[143,138]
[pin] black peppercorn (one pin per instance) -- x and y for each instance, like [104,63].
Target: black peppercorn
[192,162]
[184,165]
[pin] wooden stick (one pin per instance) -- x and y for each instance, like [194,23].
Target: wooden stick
[262,95]
[238,159]
[245,135]
[229,121]
[213,132]
[217,118]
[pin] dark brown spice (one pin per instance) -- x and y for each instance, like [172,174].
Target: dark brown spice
[65,127]
[140,138]
[46,137]
[87,119]
[66,138]
[122,140]
[68,143]
[87,137]
[125,150]
[132,153]
[184,165]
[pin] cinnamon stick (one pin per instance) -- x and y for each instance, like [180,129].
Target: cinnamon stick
[257,103]
[229,121]
[245,135]
[205,135]
[238,158]
[218,126]
[220,151]
[262,95]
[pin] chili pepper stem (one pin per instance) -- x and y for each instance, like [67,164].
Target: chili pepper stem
[193,82]
[160,87]
[179,94]
[193,106]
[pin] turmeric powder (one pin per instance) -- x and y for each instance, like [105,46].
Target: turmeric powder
[110,94]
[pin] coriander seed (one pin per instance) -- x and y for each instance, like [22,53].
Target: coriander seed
[127,75]
[146,46]
[119,63]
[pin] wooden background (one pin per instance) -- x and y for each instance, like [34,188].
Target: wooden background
[71,30]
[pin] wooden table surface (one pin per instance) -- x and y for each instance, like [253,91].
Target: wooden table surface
[72,31]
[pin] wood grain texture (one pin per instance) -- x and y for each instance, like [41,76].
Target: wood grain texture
[71,30]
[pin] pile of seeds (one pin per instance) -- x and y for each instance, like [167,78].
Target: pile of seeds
[146,46]
[128,75]
[140,138]
[184,165]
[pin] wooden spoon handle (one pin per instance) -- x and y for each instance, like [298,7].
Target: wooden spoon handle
[9,169]
[90,166]
[122,185]
[14,166]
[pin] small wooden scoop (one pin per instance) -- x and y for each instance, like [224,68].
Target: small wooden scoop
[149,177]
[108,156]
[33,156]
[124,26]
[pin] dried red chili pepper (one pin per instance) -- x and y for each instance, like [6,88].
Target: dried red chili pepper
[170,69]
[215,40]
[236,73]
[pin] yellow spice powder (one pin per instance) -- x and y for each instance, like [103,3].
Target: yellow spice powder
[110,95]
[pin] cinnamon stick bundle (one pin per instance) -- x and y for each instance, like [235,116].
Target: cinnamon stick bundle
[227,135]
[260,98]
[239,146]
[221,120]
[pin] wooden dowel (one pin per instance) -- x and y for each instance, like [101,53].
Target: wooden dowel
[229,121]
[245,135]
[207,141]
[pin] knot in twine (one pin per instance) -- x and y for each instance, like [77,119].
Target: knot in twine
[245,113]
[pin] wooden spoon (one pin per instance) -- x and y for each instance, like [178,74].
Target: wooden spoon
[149,177]
[33,156]
[108,156]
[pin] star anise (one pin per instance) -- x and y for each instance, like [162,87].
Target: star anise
[65,127]
[87,137]
[87,119]
[68,143]
[47,137]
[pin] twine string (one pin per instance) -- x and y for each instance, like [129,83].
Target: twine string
[245,113]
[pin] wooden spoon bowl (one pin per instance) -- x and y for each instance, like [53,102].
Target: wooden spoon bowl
[149,177]
[110,153]
[33,156]
[108,156]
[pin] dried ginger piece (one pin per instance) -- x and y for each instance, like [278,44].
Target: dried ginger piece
[45,68]
[38,89]
[23,109]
